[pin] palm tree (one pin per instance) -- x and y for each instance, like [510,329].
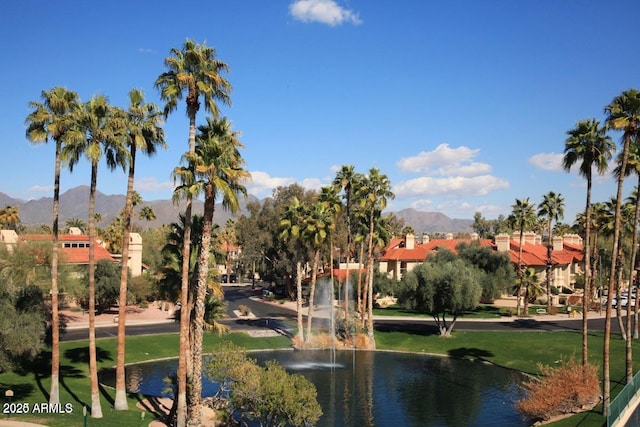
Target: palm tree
[551,207]
[623,113]
[291,226]
[219,170]
[50,119]
[103,135]
[373,192]
[344,181]
[588,144]
[75,223]
[144,133]
[194,69]
[146,213]
[318,225]
[9,217]
[522,218]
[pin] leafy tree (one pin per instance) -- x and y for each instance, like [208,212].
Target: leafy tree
[194,69]
[623,113]
[107,277]
[588,144]
[498,269]
[481,225]
[269,395]
[442,285]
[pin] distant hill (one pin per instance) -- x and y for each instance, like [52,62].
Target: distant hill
[74,204]
[434,222]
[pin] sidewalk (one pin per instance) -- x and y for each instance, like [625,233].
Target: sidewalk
[135,316]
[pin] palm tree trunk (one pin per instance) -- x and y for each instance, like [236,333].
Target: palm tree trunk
[606,377]
[372,342]
[96,408]
[549,266]
[634,254]
[586,297]
[54,391]
[185,315]
[312,291]
[199,310]
[519,293]
[120,403]
[300,333]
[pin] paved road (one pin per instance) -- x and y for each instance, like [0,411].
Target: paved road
[272,316]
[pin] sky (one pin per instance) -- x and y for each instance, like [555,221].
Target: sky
[464,105]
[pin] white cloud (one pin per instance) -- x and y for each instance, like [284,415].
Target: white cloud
[458,185]
[323,11]
[442,160]
[151,184]
[40,189]
[547,161]
[262,183]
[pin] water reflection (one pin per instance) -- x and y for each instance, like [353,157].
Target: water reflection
[379,388]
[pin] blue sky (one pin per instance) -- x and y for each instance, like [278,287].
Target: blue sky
[463,104]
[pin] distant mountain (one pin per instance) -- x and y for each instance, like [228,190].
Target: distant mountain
[74,204]
[434,222]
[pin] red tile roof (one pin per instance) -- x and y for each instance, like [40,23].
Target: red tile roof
[72,255]
[398,252]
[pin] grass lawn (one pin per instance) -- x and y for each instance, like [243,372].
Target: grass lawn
[32,386]
[514,350]
[483,311]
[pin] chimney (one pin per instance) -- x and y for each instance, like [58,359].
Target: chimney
[425,238]
[502,242]
[475,236]
[558,243]
[448,236]
[409,241]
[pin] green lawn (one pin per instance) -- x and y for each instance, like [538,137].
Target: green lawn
[515,350]
[484,311]
[32,386]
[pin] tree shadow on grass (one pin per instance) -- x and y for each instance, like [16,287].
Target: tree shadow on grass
[20,391]
[414,328]
[467,353]
[81,355]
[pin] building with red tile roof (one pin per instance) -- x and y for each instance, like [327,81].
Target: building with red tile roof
[403,254]
[74,247]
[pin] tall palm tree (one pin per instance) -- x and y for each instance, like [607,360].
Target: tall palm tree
[623,113]
[317,227]
[50,119]
[522,218]
[219,171]
[551,207]
[291,226]
[194,69]
[344,182]
[373,192]
[587,144]
[144,133]
[103,134]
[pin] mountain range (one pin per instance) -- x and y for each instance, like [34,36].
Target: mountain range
[74,204]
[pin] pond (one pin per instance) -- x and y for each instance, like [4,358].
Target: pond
[366,388]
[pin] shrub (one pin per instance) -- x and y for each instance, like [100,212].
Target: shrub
[244,310]
[561,390]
